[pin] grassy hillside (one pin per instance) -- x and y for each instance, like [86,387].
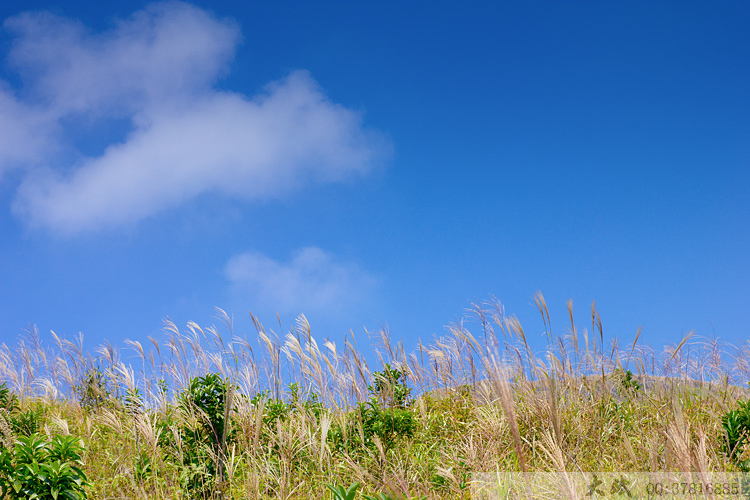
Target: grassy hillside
[194,416]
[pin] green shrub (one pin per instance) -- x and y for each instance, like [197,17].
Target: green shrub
[273,409]
[390,387]
[629,383]
[386,414]
[208,398]
[42,470]
[277,409]
[311,403]
[736,424]
[94,389]
[386,423]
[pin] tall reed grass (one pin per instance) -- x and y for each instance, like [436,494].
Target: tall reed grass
[483,400]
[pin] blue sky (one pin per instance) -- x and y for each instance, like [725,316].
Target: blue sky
[374,163]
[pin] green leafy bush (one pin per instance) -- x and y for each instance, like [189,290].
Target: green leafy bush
[390,387]
[386,423]
[277,409]
[207,396]
[273,409]
[736,424]
[208,400]
[386,414]
[36,468]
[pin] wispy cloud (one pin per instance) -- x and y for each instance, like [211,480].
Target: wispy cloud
[312,281]
[25,133]
[157,70]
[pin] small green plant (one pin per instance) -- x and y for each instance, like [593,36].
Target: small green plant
[383,496]
[94,389]
[311,403]
[133,400]
[277,409]
[273,409]
[28,422]
[142,469]
[390,387]
[341,493]
[294,396]
[736,424]
[8,400]
[629,383]
[43,470]
[378,496]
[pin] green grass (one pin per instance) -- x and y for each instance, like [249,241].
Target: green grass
[419,424]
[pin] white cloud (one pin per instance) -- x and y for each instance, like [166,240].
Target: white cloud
[312,281]
[157,69]
[167,51]
[23,133]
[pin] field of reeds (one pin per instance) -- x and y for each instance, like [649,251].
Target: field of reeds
[206,412]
